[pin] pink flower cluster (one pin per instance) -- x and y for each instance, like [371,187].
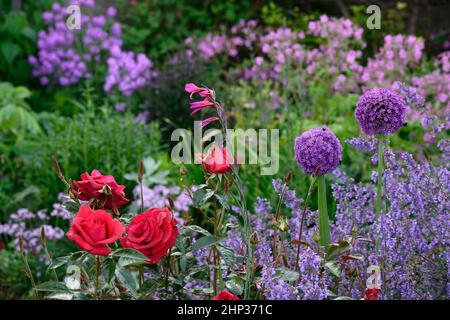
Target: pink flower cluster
[399,55]
[243,35]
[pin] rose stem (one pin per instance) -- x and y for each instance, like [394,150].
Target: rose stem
[140,178]
[27,267]
[305,205]
[97,277]
[324,228]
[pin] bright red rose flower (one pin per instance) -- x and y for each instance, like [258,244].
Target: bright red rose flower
[371,294]
[225,295]
[104,190]
[218,161]
[152,232]
[92,230]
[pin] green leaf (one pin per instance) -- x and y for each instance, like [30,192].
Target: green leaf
[235,285]
[343,298]
[227,255]
[52,286]
[286,275]
[205,242]
[60,296]
[223,201]
[198,229]
[200,196]
[128,278]
[337,249]
[59,262]
[130,255]
[10,51]
[334,268]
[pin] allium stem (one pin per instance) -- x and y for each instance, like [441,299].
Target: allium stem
[324,228]
[305,206]
[379,188]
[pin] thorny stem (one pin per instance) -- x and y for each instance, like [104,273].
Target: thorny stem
[305,206]
[98,264]
[166,280]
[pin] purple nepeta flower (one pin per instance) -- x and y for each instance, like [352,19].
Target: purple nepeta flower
[318,147]
[380,110]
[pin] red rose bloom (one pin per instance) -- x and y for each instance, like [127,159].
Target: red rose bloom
[152,232]
[92,230]
[104,189]
[371,294]
[225,295]
[218,161]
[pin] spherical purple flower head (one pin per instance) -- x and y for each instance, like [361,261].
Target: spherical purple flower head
[380,111]
[318,147]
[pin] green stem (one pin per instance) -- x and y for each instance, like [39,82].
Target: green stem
[305,206]
[29,274]
[246,230]
[379,188]
[97,277]
[324,228]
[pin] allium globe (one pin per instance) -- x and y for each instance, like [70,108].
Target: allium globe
[380,111]
[318,147]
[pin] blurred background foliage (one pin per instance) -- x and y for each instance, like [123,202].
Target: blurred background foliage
[80,126]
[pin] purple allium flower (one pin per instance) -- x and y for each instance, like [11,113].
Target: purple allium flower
[318,147]
[381,110]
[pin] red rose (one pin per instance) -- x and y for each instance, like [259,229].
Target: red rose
[104,189]
[371,294]
[225,295]
[218,161]
[92,230]
[152,232]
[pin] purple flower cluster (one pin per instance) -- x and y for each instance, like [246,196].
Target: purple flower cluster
[128,72]
[414,233]
[158,197]
[28,225]
[66,56]
[242,36]
[318,147]
[380,111]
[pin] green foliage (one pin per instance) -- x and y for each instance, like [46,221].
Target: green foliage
[158,27]
[16,116]
[18,35]
[152,173]
[110,142]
